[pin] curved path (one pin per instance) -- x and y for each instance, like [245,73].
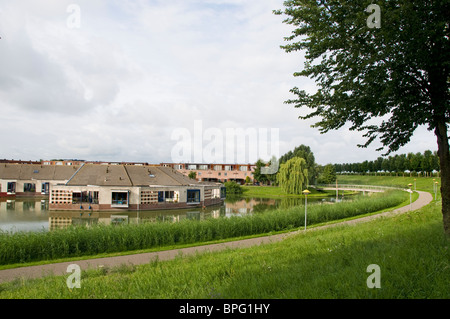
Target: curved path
[136,259]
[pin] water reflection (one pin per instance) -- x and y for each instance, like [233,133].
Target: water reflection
[33,215]
[23,215]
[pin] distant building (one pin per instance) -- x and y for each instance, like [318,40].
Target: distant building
[132,187]
[215,172]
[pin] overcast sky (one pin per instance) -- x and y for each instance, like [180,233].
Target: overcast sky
[124,80]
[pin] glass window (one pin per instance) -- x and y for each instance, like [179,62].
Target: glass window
[169,195]
[120,198]
[11,187]
[29,188]
[193,196]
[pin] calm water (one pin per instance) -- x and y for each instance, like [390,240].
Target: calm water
[33,215]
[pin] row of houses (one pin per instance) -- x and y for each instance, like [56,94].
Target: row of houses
[239,173]
[97,187]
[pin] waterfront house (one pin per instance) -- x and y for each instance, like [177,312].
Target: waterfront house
[32,179]
[132,187]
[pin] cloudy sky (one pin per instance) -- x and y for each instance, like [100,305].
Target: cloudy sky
[157,81]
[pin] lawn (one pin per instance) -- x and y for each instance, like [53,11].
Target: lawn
[277,192]
[422,183]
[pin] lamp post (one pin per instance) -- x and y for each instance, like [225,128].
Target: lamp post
[410,196]
[435,190]
[306,192]
[414,184]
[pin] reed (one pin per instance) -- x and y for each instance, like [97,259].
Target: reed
[78,241]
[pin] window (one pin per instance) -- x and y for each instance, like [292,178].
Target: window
[243,168]
[217,167]
[192,166]
[203,167]
[169,195]
[166,196]
[45,189]
[93,197]
[29,188]
[84,197]
[228,167]
[193,196]
[119,199]
[11,187]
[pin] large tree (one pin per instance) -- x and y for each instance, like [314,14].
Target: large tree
[293,175]
[384,71]
[304,152]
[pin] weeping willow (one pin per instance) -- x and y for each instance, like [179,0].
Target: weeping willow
[293,175]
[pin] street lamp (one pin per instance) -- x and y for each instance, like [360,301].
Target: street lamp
[410,195]
[414,184]
[435,189]
[306,192]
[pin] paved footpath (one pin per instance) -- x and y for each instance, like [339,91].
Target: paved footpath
[136,259]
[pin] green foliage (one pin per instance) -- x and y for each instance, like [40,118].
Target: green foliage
[304,152]
[414,162]
[364,73]
[192,175]
[328,175]
[293,176]
[233,188]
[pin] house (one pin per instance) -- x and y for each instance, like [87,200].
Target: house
[132,187]
[32,179]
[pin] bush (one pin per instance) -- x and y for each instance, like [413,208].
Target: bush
[233,188]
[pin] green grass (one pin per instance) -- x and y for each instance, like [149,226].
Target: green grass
[80,241]
[422,183]
[410,249]
[277,192]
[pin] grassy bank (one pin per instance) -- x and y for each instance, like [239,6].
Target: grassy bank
[80,241]
[410,249]
[422,183]
[277,192]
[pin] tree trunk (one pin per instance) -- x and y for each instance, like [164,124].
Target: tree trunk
[444,158]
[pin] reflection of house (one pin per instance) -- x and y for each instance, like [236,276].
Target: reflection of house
[216,172]
[32,179]
[112,187]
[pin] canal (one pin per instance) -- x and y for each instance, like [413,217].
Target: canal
[34,215]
